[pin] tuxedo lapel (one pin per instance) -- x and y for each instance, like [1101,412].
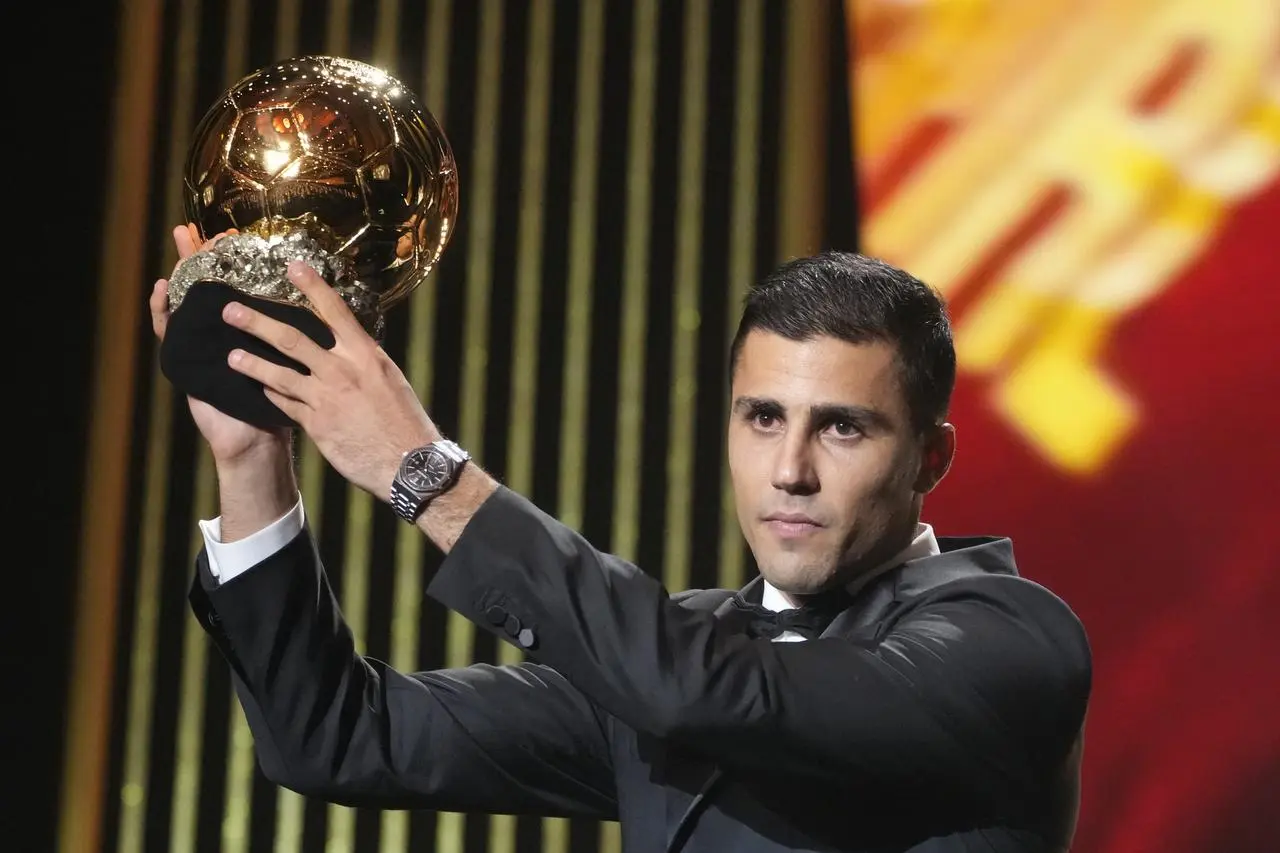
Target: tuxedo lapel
[960,558]
[751,592]
[868,609]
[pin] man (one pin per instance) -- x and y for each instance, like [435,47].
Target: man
[911,693]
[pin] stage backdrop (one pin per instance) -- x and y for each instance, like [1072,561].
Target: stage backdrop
[1094,186]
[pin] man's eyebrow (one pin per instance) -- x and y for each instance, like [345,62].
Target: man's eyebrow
[864,416]
[756,404]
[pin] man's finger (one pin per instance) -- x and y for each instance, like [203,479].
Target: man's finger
[186,240]
[329,304]
[212,241]
[159,304]
[288,340]
[295,409]
[277,377]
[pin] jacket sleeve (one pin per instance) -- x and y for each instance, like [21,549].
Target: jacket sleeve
[330,723]
[982,684]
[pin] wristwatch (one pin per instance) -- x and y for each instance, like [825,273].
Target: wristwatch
[425,472]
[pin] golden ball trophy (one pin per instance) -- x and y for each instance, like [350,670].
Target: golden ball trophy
[318,158]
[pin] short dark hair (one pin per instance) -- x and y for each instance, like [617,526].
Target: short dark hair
[860,299]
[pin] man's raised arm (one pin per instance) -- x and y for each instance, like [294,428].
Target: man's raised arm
[330,723]
[979,688]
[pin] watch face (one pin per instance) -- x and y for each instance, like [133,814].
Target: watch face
[424,469]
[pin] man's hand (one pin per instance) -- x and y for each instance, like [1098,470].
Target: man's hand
[356,404]
[229,439]
[256,484]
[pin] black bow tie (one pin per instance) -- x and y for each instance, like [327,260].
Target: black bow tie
[809,621]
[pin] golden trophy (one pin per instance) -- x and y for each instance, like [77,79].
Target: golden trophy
[318,158]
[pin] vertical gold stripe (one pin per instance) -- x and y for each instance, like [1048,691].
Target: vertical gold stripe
[337,33]
[407,596]
[137,750]
[524,356]
[742,238]
[610,837]
[475,355]
[582,220]
[635,280]
[528,285]
[239,782]
[311,477]
[236,56]
[802,176]
[360,504]
[107,460]
[528,289]
[288,20]
[685,315]
[188,750]
[386,25]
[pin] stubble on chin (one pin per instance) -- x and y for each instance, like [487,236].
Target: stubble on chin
[798,574]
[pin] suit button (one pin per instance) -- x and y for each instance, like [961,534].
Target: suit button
[526,639]
[496,615]
[512,625]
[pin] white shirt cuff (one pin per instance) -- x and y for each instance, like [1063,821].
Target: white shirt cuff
[228,559]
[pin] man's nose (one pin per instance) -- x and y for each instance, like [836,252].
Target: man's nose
[793,469]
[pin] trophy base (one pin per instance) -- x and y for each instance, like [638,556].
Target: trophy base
[197,341]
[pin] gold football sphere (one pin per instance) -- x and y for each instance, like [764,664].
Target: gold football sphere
[338,148]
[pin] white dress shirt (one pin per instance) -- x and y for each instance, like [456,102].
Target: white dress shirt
[229,559]
[925,544]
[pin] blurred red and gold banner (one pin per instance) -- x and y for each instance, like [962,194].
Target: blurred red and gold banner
[1095,187]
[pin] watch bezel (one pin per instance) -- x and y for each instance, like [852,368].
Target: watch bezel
[418,462]
[408,501]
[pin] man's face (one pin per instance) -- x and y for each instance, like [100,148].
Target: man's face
[826,467]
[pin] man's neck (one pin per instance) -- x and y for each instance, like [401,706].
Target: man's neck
[922,544]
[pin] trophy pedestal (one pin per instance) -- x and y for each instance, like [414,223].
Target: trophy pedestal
[197,341]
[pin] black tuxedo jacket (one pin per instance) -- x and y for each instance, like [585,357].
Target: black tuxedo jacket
[942,712]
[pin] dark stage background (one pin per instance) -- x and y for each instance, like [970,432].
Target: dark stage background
[1092,184]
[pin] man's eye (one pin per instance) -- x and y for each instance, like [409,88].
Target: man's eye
[846,429]
[764,420]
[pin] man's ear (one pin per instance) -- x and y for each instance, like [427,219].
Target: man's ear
[935,459]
